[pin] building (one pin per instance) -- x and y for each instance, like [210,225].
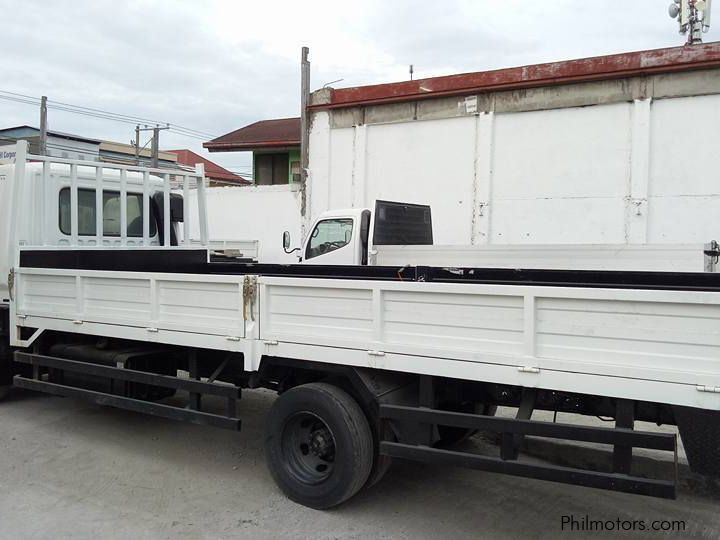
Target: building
[69,146]
[270,205]
[602,150]
[217,175]
[275,145]
[60,145]
[587,151]
[124,154]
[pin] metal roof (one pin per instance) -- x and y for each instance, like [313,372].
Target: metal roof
[53,133]
[213,171]
[124,149]
[614,66]
[265,134]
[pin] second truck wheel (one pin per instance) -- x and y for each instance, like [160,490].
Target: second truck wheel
[318,445]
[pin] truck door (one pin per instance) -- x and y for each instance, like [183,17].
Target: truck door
[332,241]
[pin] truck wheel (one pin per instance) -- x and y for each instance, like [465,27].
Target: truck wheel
[318,445]
[700,433]
[4,391]
[381,463]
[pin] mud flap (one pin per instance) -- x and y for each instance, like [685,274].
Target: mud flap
[6,369]
[700,434]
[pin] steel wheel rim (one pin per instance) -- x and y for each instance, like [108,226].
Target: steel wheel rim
[308,446]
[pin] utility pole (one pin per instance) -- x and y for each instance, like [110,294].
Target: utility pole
[154,143]
[304,131]
[43,126]
[137,144]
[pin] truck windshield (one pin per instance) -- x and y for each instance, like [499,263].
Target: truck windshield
[111,213]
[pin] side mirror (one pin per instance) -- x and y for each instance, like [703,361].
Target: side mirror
[286,243]
[176,206]
[177,209]
[286,240]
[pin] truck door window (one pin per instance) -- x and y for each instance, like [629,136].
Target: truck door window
[329,235]
[111,213]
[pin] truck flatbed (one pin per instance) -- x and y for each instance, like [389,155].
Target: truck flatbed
[636,334]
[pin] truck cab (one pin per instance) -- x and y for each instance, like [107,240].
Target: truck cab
[55,204]
[349,237]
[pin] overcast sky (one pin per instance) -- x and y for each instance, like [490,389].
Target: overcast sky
[215,66]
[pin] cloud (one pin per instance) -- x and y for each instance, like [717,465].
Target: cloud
[215,66]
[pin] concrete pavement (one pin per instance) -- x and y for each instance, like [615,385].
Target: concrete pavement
[73,470]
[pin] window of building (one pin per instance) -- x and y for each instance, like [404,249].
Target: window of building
[295,171]
[271,169]
[111,213]
[329,235]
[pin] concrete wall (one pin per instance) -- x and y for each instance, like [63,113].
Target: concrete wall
[623,161]
[253,213]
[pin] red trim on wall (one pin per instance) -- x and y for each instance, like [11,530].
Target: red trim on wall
[615,66]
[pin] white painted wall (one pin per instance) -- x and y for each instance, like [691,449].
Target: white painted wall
[685,190]
[432,164]
[253,213]
[602,174]
[559,176]
[622,173]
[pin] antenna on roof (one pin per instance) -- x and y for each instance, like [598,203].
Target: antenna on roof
[332,82]
[693,17]
[411,72]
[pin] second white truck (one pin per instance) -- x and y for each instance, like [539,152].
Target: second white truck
[400,234]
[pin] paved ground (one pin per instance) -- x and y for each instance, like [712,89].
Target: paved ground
[71,470]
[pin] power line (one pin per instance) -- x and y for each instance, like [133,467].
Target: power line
[136,119]
[132,118]
[198,137]
[20,100]
[103,114]
[18,95]
[126,116]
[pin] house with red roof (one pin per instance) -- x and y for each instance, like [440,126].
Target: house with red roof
[275,145]
[216,174]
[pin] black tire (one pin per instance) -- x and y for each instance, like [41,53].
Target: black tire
[318,445]
[700,433]
[381,463]
[4,391]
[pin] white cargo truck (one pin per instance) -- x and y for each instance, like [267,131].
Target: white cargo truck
[105,300]
[361,237]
